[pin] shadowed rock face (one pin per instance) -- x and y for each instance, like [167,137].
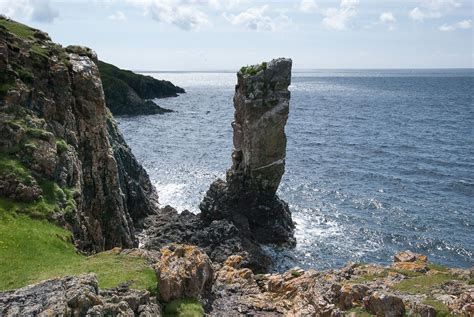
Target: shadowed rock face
[247,197]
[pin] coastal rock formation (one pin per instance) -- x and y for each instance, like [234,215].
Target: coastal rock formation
[128,93]
[60,142]
[352,290]
[77,296]
[239,214]
[219,239]
[248,196]
[183,271]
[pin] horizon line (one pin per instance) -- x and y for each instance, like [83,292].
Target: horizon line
[302,70]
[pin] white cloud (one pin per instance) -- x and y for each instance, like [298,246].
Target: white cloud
[33,10]
[256,18]
[338,18]
[118,15]
[432,9]
[388,19]
[308,6]
[184,14]
[461,25]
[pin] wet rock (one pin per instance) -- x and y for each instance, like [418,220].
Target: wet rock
[184,271]
[247,198]
[382,304]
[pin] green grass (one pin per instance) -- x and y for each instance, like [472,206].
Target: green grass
[183,308]
[12,166]
[61,146]
[359,311]
[34,250]
[423,283]
[18,29]
[253,69]
[441,309]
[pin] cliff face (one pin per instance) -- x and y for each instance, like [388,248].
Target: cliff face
[128,93]
[63,143]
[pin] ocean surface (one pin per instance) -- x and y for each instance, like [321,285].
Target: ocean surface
[377,161]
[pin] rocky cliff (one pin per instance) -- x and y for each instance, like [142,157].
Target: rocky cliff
[63,157]
[128,93]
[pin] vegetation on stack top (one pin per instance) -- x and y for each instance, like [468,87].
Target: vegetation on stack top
[127,93]
[253,69]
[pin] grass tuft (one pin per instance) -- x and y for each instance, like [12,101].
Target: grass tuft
[183,308]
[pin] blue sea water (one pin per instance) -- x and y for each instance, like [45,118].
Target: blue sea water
[377,161]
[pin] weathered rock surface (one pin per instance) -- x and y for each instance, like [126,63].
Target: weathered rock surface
[219,239]
[77,296]
[248,196]
[184,271]
[55,124]
[338,292]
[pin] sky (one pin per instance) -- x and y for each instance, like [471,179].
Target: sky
[165,35]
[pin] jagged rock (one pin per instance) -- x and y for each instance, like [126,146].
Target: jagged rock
[382,304]
[184,271]
[247,198]
[352,294]
[219,239]
[76,296]
[237,291]
[66,296]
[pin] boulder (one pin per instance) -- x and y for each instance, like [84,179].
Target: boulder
[184,271]
[386,305]
[408,256]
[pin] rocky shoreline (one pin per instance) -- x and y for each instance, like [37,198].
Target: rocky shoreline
[411,286]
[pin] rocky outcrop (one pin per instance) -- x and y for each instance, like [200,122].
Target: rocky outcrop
[248,196]
[184,271]
[56,131]
[348,291]
[77,296]
[219,239]
[128,93]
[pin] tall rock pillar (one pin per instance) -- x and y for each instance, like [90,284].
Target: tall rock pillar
[248,196]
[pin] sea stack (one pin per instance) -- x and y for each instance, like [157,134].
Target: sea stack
[248,196]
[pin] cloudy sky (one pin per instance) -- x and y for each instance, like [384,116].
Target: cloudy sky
[225,34]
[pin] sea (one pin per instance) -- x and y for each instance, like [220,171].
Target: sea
[378,161]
